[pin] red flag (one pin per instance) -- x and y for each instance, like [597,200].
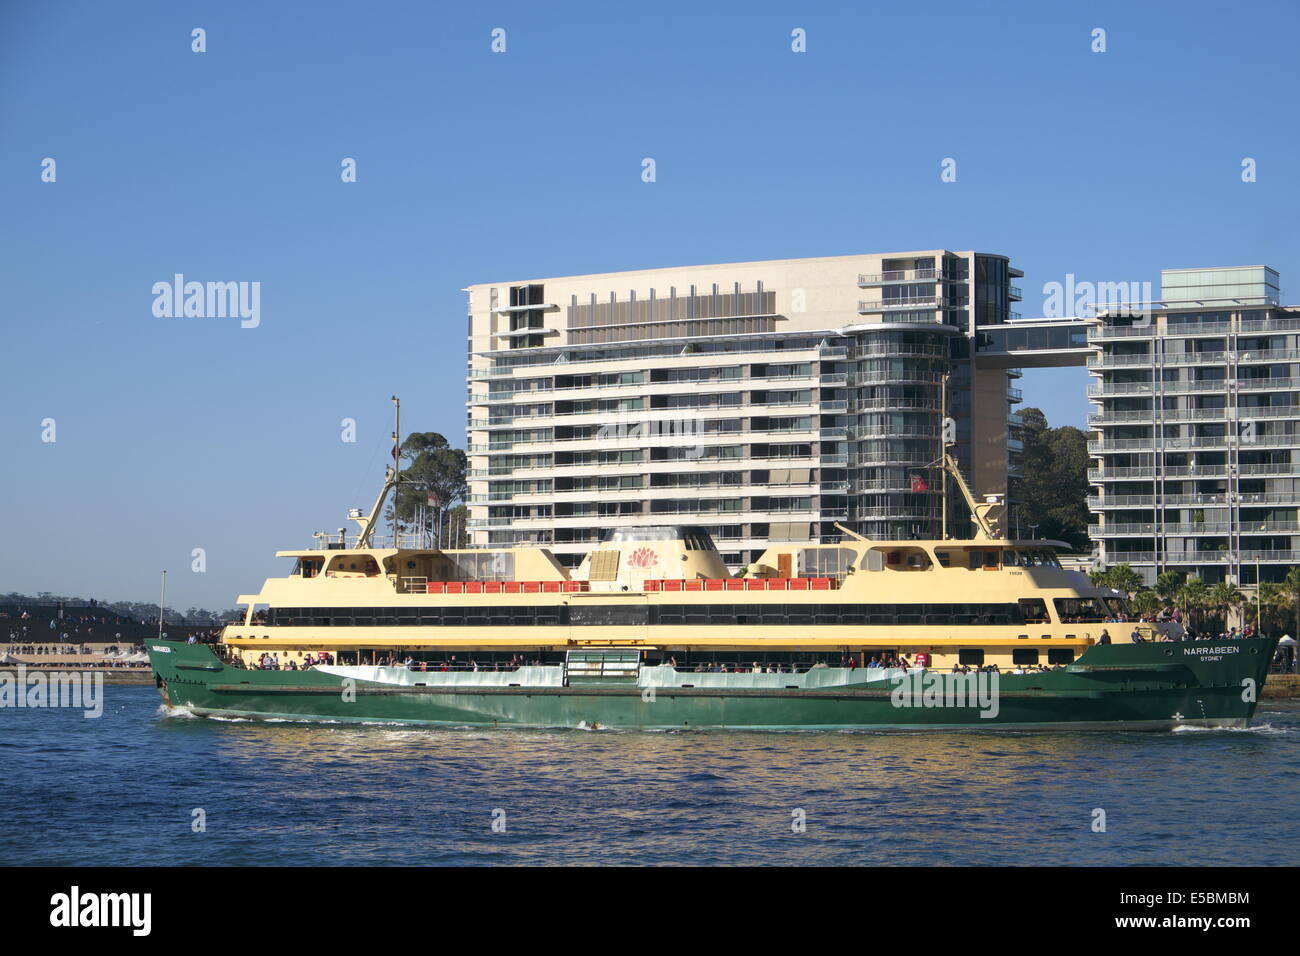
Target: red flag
[919,483]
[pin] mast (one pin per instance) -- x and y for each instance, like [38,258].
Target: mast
[391,474]
[397,459]
[943,452]
[979,510]
[162,600]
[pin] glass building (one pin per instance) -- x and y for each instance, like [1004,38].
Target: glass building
[1196,441]
[763,401]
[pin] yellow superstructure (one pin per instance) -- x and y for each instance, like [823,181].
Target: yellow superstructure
[666,589]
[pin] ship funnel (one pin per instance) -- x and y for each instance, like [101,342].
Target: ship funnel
[628,557]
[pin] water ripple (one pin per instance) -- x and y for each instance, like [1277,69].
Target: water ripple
[123,789]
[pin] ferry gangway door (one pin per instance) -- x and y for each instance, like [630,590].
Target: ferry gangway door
[616,665]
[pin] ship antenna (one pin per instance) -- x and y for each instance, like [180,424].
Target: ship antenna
[397,459]
[162,602]
[943,453]
[391,474]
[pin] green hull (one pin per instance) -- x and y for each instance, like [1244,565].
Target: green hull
[1113,687]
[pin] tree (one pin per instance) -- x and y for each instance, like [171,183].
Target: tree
[1121,578]
[1146,602]
[1192,596]
[1270,600]
[1225,597]
[1290,589]
[1054,489]
[1167,585]
[434,468]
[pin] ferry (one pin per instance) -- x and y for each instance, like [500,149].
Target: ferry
[652,632]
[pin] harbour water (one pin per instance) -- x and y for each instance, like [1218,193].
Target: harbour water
[127,788]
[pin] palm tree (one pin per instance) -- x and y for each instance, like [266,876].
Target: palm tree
[1192,595]
[1290,588]
[1264,608]
[1146,602]
[1123,578]
[1225,597]
[1167,585]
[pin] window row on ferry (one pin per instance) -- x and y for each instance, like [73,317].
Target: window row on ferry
[1025,611]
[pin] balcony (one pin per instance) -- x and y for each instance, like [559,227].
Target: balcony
[1097,332]
[1195,358]
[1144,415]
[866,281]
[1118,474]
[1269,384]
[892,378]
[1176,330]
[1120,530]
[872,433]
[889,305]
[1218,386]
[1118,361]
[1150,444]
[1270,325]
[1130,557]
[1198,529]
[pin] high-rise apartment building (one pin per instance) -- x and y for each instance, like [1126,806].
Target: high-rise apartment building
[764,401]
[1197,429]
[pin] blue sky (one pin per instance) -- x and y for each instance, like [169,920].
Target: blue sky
[175,434]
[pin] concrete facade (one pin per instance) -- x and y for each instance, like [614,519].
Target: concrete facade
[1196,440]
[765,401]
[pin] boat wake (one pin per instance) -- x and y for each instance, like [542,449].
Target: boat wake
[1252,729]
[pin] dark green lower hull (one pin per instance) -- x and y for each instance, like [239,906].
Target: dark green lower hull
[1115,687]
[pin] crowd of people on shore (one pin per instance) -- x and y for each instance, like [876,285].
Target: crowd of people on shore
[63,650]
[23,627]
